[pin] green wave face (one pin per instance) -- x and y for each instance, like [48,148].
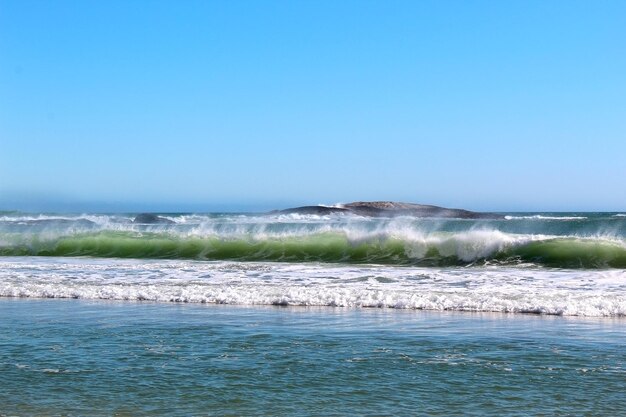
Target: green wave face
[436,250]
[321,247]
[574,253]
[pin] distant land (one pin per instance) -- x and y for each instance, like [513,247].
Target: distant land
[390,209]
[360,208]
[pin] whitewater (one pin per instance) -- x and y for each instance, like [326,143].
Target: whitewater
[548,263]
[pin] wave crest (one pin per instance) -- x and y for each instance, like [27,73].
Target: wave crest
[381,247]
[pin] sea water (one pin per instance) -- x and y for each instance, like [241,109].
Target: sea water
[86,357]
[551,263]
[245,314]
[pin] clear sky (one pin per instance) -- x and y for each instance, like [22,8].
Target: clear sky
[200,105]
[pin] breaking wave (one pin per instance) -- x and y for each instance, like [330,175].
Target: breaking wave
[429,249]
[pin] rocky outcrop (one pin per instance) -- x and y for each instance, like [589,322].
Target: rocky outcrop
[151,218]
[391,209]
[319,210]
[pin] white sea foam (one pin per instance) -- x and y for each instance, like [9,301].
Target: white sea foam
[532,290]
[95,218]
[543,217]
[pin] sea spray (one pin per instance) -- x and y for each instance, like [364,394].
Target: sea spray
[566,241]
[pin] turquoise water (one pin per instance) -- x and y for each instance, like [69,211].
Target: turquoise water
[87,357]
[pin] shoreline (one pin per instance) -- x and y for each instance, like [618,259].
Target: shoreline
[316,308]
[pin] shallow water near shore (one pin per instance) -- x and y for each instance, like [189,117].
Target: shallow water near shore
[94,357]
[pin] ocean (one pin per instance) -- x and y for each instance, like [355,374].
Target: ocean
[305,314]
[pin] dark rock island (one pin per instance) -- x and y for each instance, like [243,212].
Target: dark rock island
[390,209]
[151,218]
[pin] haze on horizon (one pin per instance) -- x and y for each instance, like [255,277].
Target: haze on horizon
[202,106]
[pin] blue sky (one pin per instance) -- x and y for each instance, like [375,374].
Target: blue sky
[256,104]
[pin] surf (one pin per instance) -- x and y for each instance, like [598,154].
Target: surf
[497,289]
[388,248]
